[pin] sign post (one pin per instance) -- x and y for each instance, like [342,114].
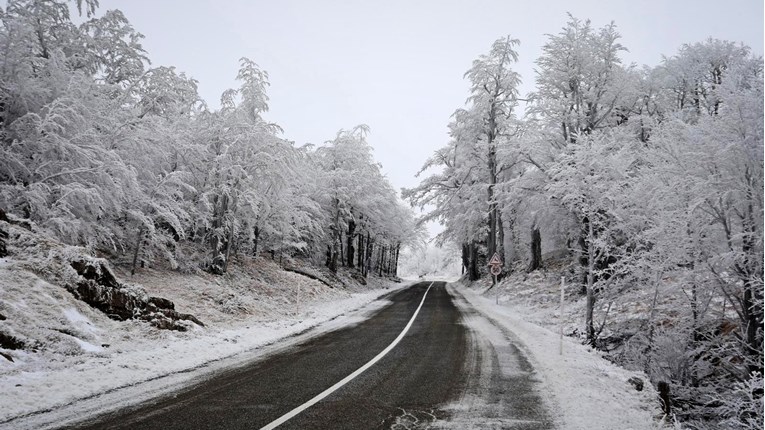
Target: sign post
[495,265]
[562,294]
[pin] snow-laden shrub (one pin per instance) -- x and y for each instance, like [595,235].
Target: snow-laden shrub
[668,356]
[743,407]
[189,259]
[60,343]
[230,303]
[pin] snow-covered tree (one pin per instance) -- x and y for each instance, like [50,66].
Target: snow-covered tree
[470,163]
[580,81]
[363,207]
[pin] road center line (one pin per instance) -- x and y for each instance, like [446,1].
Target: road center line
[281,420]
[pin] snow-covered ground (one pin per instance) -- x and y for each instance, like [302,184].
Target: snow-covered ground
[585,390]
[87,363]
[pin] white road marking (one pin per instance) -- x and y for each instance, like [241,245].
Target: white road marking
[281,420]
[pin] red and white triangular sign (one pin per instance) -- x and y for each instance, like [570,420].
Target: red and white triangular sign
[495,261]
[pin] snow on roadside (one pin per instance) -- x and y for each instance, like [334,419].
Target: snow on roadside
[588,391]
[37,394]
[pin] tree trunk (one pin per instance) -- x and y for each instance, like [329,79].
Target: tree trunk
[508,244]
[334,253]
[395,267]
[341,256]
[590,326]
[255,241]
[753,293]
[695,332]
[335,250]
[501,242]
[391,257]
[374,258]
[697,100]
[350,251]
[218,243]
[465,257]
[651,325]
[753,320]
[229,241]
[536,250]
[386,259]
[492,130]
[666,403]
[390,260]
[219,212]
[583,253]
[473,273]
[138,241]
[368,255]
[492,239]
[360,258]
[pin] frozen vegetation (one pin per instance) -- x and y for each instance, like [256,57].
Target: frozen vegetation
[644,184]
[71,359]
[144,234]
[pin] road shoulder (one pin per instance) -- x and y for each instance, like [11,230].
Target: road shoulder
[586,391]
[502,387]
[107,385]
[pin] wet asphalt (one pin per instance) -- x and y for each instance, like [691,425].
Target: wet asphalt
[429,368]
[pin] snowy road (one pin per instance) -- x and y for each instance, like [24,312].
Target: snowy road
[452,369]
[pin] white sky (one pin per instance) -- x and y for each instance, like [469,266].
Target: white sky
[398,65]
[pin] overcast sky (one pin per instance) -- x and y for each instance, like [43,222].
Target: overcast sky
[398,65]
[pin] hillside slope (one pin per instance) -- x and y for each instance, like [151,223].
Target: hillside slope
[58,350]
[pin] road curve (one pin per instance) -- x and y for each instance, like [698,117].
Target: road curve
[432,366]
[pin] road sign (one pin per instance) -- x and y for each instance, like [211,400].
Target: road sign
[495,261]
[496,264]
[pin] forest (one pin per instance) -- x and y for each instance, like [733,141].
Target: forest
[104,151]
[649,178]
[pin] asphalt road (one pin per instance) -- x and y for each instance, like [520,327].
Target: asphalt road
[434,365]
